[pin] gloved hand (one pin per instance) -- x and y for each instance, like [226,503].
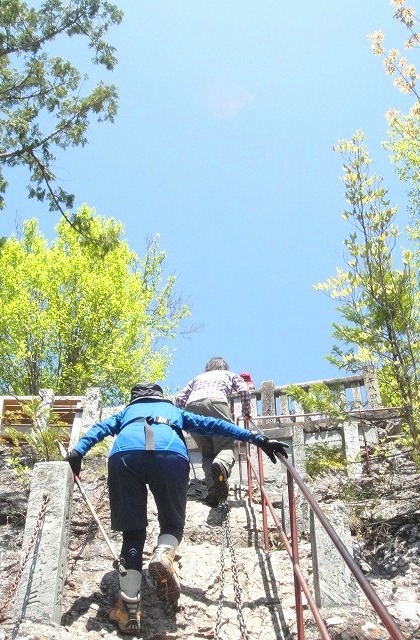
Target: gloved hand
[74,458]
[270,447]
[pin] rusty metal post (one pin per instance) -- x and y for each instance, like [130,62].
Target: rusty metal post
[263,500]
[295,555]
[249,472]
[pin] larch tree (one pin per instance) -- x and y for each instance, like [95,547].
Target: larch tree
[45,105]
[404,129]
[403,141]
[74,316]
[377,301]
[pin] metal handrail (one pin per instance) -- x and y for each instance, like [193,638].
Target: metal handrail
[292,547]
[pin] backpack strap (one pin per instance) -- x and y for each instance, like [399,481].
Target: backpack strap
[149,436]
[161,420]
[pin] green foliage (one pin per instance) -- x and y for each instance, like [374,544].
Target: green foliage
[100,450]
[73,316]
[404,146]
[45,101]
[378,303]
[388,387]
[21,470]
[45,429]
[322,459]
[404,129]
[321,399]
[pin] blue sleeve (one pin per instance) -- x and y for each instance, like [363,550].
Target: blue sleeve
[97,432]
[213,426]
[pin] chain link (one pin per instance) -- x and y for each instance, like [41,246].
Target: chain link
[227,542]
[37,528]
[222,583]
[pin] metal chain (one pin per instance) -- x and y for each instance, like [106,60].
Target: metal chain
[227,542]
[37,528]
[222,583]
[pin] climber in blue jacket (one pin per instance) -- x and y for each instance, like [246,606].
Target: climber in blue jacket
[149,450]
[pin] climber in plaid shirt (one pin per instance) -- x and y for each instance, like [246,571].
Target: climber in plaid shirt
[208,395]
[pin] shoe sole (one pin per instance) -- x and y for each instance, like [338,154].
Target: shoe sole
[213,502]
[127,631]
[130,627]
[167,587]
[221,487]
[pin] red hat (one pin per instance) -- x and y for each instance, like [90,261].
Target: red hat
[247,377]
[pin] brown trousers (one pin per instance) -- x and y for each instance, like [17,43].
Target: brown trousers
[219,448]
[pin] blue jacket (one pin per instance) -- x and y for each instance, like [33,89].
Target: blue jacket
[130,433]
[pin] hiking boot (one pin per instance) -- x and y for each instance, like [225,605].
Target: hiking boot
[211,499]
[162,571]
[126,616]
[220,487]
[126,612]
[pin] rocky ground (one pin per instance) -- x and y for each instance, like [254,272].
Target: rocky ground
[384,513]
[384,507]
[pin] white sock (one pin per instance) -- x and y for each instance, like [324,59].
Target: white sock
[168,540]
[130,584]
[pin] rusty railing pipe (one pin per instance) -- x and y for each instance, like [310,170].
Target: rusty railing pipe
[297,574]
[369,592]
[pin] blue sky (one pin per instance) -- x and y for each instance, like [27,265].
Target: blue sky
[223,145]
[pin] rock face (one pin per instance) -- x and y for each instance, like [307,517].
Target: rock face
[257,600]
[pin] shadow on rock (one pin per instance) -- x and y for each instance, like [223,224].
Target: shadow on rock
[158,618]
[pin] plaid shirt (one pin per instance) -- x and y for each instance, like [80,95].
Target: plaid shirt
[216,385]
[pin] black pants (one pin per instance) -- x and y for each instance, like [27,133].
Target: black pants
[165,473]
